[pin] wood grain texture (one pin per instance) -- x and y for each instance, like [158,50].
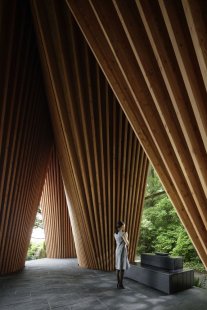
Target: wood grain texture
[103,166]
[25,134]
[155,61]
[58,232]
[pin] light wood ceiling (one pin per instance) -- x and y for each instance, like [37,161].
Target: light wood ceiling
[57,227]
[103,165]
[25,134]
[153,54]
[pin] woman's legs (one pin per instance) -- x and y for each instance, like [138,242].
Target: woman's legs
[118,277]
[121,279]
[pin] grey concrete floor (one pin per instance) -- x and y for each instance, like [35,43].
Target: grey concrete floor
[60,284]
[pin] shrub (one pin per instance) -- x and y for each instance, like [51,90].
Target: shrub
[162,231]
[36,250]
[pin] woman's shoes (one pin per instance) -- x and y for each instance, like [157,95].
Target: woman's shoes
[120,285]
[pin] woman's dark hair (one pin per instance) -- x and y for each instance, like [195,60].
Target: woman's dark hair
[118,225]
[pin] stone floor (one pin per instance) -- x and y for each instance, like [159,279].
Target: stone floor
[61,284]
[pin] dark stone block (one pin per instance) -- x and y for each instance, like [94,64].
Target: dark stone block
[162,261]
[161,279]
[162,254]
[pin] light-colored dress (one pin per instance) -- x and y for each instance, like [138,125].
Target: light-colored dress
[121,262]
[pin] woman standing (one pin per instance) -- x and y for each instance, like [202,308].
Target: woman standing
[122,262]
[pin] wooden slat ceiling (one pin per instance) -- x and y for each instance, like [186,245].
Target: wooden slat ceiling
[25,134]
[58,232]
[153,54]
[103,165]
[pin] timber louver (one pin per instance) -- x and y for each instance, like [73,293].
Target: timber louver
[103,165]
[58,233]
[153,53]
[25,135]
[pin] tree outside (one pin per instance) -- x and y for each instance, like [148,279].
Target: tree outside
[161,229]
[37,248]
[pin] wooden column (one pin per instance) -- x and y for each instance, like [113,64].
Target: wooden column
[104,167]
[58,232]
[153,55]
[25,134]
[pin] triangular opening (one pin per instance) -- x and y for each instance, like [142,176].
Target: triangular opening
[37,248]
[161,229]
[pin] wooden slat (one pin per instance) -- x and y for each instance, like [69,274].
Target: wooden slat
[182,108]
[195,16]
[58,232]
[93,137]
[187,61]
[26,135]
[154,70]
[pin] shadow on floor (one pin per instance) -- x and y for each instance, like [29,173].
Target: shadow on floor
[60,284]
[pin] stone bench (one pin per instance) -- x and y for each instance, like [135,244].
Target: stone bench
[164,279]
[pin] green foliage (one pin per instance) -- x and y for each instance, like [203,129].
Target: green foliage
[154,188]
[185,247]
[153,182]
[161,229]
[36,250]
[198,266]
[201,281]
[38,220]
[42,252]
[197,282]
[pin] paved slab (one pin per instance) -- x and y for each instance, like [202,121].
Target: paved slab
[60,284]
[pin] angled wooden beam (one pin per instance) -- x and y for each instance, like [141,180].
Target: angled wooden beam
[104,167]
[179,35]
[25,135]
[142,59]
[58,232]
[195,16]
